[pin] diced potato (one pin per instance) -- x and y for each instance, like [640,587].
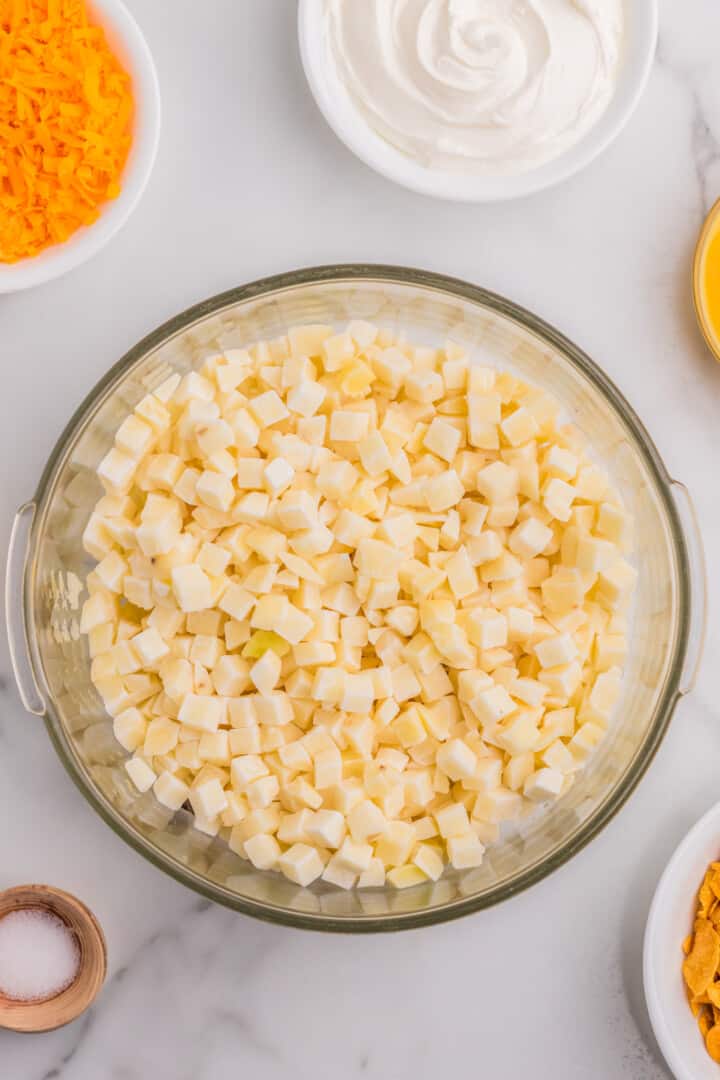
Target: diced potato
[357,602]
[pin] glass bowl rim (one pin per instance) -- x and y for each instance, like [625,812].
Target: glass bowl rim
[456,288]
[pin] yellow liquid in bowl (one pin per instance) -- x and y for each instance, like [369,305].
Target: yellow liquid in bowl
[711,281]
[707,280]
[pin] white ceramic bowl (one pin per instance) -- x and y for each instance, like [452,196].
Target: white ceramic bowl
[350,126]
[126,39]
[670,921]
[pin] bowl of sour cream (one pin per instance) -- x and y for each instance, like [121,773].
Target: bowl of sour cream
[477,100]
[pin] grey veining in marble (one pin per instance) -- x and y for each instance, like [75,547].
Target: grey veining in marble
[250,181]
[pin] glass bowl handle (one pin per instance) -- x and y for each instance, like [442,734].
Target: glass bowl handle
[15,611]
[698,586]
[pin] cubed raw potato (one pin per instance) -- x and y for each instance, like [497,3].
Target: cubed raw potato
[442,439]
[529,538]
[327,769]
[263,851]
[149,647]
[529,691]
[294,625]
[208,798]
[129,728]
[374,454]
[394,846]
[465,851]
[517,770]
[111,571]
[265,672]
[170,790]
[213,436]
[231,676]
[492,705]
[405,877]
[161,737]
[140,773]
[192,588]
[613,524]
[602,698]
[262,792]
[487,628]
[297,510]
[356,603]
[558,498]
[202,711]
[443,491]
[306,398]
[134,437]
[461,574]
[610,651]
[405,684]
[556,651]
[560,462]
[213,559]
[485,547]
[278,475]
[563,590]
[452,820]
[519,732]
[214,747]
[497,805]
[300,864]
[377,559]
[348,426]
[273,709]
[520,623]
[519,427]
[215,490]
[327,828]
[543,785]
[557,756]
[616,582]
[498,482]
[366,821]
[268,409]
[336,874]
[245,769]
[456,760]
[96,539]
[429,860]
[116,471]
[99,608]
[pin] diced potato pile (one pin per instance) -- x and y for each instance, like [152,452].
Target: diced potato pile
[357,602]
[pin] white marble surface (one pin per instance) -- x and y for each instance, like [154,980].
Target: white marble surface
[249,182]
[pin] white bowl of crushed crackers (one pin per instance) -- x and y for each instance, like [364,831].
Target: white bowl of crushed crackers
[681,962]
[86,136]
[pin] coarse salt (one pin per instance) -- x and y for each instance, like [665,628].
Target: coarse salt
[39,955]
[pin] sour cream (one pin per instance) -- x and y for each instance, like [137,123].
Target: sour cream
[481,86]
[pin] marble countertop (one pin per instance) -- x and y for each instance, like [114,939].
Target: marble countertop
[249,182]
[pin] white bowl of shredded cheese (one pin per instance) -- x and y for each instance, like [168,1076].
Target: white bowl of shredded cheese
[128,43]
[477,102]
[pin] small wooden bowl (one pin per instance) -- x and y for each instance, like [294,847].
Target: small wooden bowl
[47,1014]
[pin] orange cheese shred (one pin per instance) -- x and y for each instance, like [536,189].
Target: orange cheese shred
[66,111]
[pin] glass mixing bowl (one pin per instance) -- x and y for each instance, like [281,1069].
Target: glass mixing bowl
[47,566]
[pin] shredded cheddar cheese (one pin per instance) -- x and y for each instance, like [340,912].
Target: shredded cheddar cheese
[65,115]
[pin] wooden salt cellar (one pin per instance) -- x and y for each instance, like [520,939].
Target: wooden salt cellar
[47,1014]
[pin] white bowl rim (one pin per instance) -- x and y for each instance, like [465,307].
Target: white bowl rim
[670,883]
[127,38]
[352,129]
